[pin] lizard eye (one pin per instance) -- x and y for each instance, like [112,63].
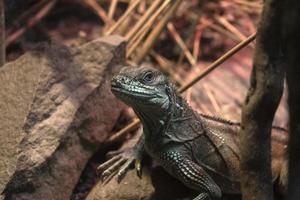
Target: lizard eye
[148,77]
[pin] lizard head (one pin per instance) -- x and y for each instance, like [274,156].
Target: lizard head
[142,88]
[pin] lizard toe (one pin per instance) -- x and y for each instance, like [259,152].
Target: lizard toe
[112,169]
[125,167]
[202,196]
[107,164]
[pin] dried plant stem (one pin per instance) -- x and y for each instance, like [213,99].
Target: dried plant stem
[156,31]
[112,9]
[219,61]
[196,44]
[166,65]
[124,17]
[143,19]
[133,47]
[26,14]
[180,58]
[212,98]
[31,22]
[220,29]
[230,27]
[152,19]
[130,127]
[209,69]
[98,9]
[249,4]
[139,36]
[142,7]
[2,34]
[181,44]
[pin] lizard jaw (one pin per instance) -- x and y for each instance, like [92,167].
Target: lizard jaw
[133,92]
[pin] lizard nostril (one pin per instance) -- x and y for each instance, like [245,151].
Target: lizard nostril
[122,79]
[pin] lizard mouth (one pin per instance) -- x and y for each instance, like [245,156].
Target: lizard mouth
[133,92]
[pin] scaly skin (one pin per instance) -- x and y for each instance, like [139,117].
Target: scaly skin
[201,151]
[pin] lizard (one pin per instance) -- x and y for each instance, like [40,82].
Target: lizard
[200,151]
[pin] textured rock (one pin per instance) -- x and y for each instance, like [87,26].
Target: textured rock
[71,113]
[131,188]
[18,81]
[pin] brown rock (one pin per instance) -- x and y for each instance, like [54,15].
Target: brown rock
[130,188]
[18,81]
[71,111]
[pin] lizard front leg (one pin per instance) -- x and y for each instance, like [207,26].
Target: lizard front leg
[190,174]
[122,160]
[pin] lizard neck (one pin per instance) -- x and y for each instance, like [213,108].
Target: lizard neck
[180,108]
[152,122]
[155,122]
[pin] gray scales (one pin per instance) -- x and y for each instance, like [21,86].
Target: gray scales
[201,151]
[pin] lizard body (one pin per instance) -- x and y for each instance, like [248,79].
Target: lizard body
[201,151]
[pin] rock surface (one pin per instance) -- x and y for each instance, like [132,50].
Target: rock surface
[131,188]
[18,81]
[65,99]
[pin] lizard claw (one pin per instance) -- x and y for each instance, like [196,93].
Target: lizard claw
[202,196]
[115,153]
[112,169]
[108,163]
[119,164]
[138,168]
[122,172]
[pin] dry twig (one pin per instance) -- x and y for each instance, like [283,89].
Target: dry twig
[152,37]
[220,29]
[26,14]
[212,98]
[196,44]
[31,22]
[255,5]
[139,36]
[219,61]
[124,17]
[98,9]
[230,27]
[112,9]
[166,65]
[181,44]
[143,19]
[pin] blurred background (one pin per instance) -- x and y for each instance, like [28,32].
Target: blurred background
[179,37]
